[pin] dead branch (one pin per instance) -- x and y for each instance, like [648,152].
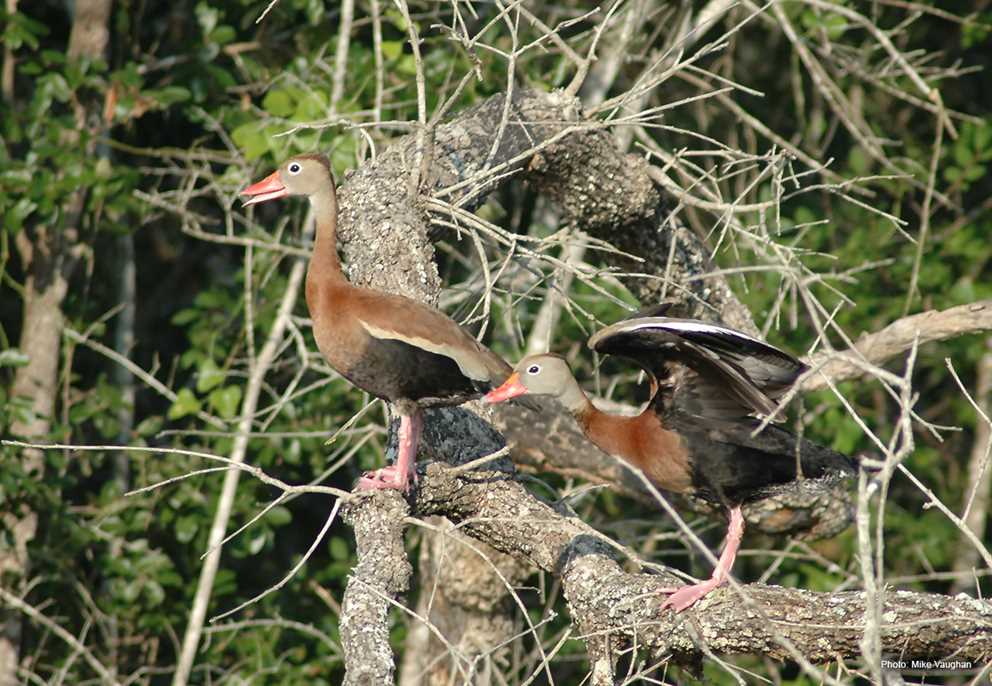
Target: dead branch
[898,338]
[387,245]
[610,195]
[492,506]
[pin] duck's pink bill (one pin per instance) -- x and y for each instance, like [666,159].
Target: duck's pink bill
[511,388]
[269,188]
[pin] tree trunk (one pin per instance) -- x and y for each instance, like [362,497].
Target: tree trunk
[49,256]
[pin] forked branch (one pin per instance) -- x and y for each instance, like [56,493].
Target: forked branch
[782,623]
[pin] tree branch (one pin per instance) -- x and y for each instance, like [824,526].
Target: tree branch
[493,507]
[897,338]
[387,245]
[225,503]
[382,573]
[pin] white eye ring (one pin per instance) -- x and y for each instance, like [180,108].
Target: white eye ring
[534,369]
[294,168]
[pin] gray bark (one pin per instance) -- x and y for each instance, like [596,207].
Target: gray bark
[385,240]
[382,573]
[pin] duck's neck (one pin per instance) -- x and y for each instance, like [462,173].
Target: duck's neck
[575,400]
[324,262]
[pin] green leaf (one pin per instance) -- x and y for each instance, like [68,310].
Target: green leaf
[186,403]
[149,426]
[279,516]
[407,65]
[168,95]
[279,103]
[251,139]
[974,172]
[312,106]
[185,316]
[131,591]
[392,49]
[223,35]
[207,17]
[15,216]
[339,549]
[154,593]
[963,154]
[186,528]
[208,377]
[225,401]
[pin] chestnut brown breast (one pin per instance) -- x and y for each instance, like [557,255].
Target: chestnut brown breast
[643,442]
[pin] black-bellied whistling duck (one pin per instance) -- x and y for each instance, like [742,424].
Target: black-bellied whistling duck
[388,345]
[710,385]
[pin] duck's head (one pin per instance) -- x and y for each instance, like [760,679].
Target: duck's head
[535,375]
[300,175]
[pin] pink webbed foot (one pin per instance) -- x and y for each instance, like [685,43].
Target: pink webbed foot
[390,477]
[399,475]
[687,596]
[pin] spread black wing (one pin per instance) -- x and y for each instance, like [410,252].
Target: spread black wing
[730,374]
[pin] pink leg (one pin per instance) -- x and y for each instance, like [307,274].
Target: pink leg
[687,596]
[397,476]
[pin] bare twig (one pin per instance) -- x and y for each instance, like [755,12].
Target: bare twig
[266,357]
[13,601]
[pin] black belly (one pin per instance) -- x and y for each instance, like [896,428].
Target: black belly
[397,372]
[730,467]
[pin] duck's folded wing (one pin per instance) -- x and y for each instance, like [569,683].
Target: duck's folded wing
[732,374]
[389,317]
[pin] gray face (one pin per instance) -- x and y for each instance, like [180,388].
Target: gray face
[544,374]
[303,175]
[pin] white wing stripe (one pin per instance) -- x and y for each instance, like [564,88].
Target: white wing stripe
[686,325]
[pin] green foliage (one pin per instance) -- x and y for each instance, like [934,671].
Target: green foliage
[970,153]
[199,91]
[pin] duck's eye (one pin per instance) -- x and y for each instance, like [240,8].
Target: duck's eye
[534,369]
[294,168]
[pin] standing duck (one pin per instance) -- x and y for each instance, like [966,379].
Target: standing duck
[388,345]
[710,386]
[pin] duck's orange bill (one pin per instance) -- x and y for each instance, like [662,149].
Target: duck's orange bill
[269,188]
[511,388]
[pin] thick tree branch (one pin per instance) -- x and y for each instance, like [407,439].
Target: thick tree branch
[610,195]
[386,241]
[382,573]
[552,442]
[492,506]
